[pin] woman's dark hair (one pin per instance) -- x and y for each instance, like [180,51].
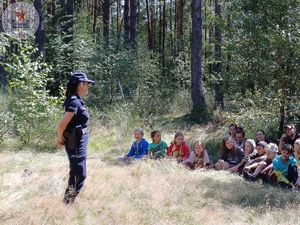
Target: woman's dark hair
[71,88]
[224,149]
[153,133]
[260,130]
[232,125]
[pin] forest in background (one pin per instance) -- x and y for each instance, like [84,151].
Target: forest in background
[216,61]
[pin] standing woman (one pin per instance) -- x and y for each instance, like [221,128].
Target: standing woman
[73,133]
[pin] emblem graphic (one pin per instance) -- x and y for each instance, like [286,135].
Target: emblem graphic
[20,20]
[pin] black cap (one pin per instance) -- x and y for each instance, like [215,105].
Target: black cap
[80,77]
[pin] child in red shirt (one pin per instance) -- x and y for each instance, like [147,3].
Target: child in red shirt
[178,149]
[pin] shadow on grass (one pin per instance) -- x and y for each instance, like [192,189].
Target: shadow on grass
[184,122]
[245,194]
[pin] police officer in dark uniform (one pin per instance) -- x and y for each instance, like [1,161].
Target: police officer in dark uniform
[73,133]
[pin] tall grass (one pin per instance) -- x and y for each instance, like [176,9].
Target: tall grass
[148,192]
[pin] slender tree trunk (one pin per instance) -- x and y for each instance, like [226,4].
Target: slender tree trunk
[40,33]
[199,111]
[133,20]
[219,95]
[106,21]
[149,26]
[126,21]
[282,105]
[118,18]
[163,36]
[95,17]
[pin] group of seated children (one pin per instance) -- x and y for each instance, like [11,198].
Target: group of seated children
[254,159]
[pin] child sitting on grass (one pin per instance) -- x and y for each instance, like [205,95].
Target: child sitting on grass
[286,168]
[231,155]
[178,149]
[138,149]
[198,158]
[264,168]
[157,149]
[249,152]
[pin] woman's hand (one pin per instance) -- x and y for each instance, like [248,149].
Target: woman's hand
[60,141]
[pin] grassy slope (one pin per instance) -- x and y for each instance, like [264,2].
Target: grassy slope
[145,193]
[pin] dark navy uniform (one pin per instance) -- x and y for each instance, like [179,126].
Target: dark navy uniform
[77,155]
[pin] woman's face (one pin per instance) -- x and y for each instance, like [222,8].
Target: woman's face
[260,136]
[248,148]
[179,140]
[232,130]
[157,138]
[229,144]
[198,149]
[83,88]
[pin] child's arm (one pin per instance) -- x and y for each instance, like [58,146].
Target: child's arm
[186,152]
[131,151]
[190,159]
[206,158]
[169,151]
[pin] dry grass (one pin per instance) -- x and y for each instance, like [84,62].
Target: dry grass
[148,192]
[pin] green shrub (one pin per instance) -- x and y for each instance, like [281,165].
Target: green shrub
[34,112]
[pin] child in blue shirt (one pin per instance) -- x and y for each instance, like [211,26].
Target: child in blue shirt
[139,148]
[286,167]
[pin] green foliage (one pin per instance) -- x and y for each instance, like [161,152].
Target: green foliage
[34,111]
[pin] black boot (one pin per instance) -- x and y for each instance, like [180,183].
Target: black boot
[70,195]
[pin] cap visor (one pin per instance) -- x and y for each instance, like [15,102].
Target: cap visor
[90,81]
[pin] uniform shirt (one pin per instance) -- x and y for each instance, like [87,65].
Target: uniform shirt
[179,151]
[197,160]
[138,149]
[158,150]
[74,104]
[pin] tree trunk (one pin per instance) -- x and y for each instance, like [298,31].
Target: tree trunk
[126,21]
[149,25]
[118,18]
[282,105]
[199,111]
[106,21]
[133,19]
[95,17]
[40,33]
[219,95]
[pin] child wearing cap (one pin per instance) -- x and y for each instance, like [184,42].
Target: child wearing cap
[249,152]
[260,154]
[256,170]
[198,158]
[286,167]
[138,149]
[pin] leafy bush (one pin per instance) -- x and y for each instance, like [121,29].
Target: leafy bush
[34,112]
